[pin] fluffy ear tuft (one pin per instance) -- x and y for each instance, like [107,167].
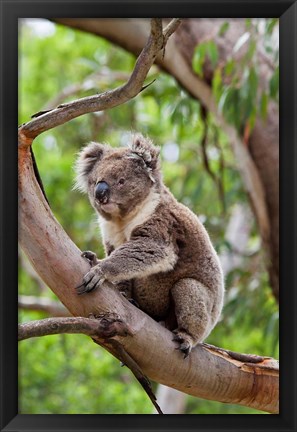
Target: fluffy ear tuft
[144,148]
[85,162]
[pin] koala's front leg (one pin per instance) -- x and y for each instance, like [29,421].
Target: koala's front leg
[93,277]
[134,259]
[125,287]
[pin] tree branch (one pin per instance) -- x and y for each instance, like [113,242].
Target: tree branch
[104,327]
[91,82]
[109,99]
[171,28]
[42,304]
[100,327]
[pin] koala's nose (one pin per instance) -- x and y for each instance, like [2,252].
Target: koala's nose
[102,191]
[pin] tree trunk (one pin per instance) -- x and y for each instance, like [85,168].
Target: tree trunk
[258,162]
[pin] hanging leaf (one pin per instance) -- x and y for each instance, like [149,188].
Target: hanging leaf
[217,84]
[274,84]
[229,67]
[212,52]
[253,82]
[270,24]
[251,50]
[199,59]
[222,100]
[248,23]
[224,27]
[241,41]
[252,118]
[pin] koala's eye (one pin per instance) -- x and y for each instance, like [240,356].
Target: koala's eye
[121,181]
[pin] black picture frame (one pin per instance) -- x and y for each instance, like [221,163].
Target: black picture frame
[11,11]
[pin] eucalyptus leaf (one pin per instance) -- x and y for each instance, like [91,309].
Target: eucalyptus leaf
[241,41]
[213,53]
[199,58]
[223,29]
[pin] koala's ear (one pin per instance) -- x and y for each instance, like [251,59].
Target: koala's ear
[145,149]
[85,162]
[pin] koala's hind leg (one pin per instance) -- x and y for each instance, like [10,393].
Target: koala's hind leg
[193,306]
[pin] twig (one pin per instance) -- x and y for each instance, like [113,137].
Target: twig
[42,304]
[171,28]
[137,372]
[218,180]
[90,82]
[29,269]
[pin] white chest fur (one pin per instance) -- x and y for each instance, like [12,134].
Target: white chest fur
[118,232]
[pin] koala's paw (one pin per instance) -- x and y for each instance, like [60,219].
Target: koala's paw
[185,341]
[92,280]
[91,257]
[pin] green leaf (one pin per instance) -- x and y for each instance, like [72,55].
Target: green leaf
[217,84]
[252,118]
[253,82]
[213,53]
[274,84]
[270,24]
[248,23]
[251,50]
[224,27]
[229,68]
[241,41]
[199,58]
[223,98]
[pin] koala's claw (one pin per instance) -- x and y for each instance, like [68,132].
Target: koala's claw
[185,345]
[185,348]
[91,257]
[91,281]
[81,289]
[134,302]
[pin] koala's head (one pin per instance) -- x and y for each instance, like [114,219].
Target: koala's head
[118,180]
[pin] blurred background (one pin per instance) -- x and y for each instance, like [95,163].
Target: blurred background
[68,374]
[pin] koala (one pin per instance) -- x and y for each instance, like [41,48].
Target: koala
[157,251]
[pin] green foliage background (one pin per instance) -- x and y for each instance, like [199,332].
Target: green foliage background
[69,374]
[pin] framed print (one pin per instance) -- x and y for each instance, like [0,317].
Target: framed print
[200,97]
